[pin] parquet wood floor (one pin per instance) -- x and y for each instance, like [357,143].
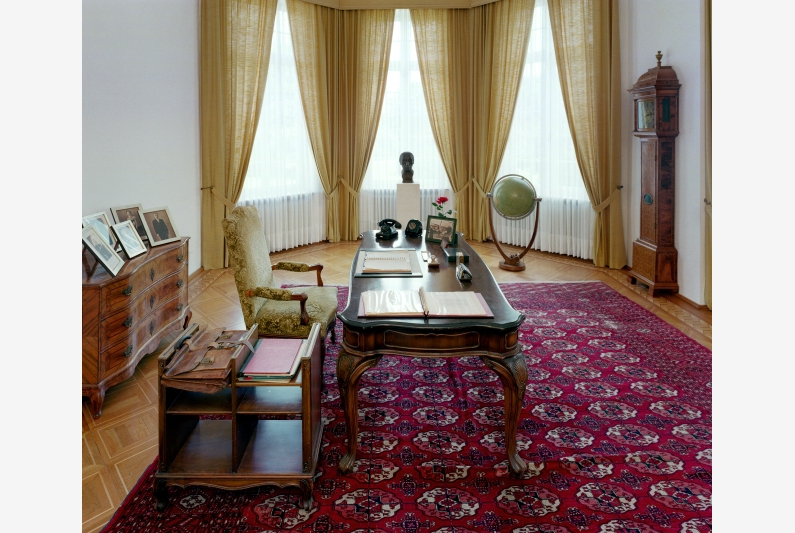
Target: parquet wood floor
[119,446]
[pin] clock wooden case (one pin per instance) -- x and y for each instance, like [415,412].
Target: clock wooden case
[656,104]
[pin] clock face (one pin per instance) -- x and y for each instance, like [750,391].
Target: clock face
[645,114]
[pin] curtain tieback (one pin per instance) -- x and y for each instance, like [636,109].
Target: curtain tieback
[470,182]
[221,197]
[601,207]
[708,206]
[342,180]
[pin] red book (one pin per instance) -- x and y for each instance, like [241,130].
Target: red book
[273,358]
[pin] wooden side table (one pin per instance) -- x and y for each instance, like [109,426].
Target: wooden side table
[243,451]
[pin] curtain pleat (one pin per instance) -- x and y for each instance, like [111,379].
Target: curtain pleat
[235,50]
[586,47]
[341,60]
[471,65]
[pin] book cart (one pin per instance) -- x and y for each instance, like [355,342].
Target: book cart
[218,439]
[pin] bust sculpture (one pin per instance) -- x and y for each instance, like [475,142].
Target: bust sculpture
[406,161]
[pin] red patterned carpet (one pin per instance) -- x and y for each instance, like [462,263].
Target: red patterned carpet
[616,423]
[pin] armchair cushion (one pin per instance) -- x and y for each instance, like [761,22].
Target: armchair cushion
[282,318]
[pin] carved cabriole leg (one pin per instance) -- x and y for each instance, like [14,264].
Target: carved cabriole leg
[513,374]
[306,494]
[97,398]
[161,493]
[349,370]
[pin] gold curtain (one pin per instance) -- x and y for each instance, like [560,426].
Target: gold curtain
[708,173]
[342,59]
[585,33]
[471,64]
[235,51]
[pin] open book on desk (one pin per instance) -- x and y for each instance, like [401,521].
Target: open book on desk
[411,303]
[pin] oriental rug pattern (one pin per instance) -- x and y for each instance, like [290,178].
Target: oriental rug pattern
[616,425]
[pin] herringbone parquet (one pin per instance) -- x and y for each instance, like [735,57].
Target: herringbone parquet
[123,442]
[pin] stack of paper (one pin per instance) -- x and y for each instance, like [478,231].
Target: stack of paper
[392,261]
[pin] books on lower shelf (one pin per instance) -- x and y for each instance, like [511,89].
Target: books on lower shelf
[273,359]
[419,303]
[391,261]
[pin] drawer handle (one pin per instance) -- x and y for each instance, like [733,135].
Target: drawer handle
[180,283]
[180,257]
[151,327]
[128,351]
[127,323]
[179,307]
[128,290]
[152,274]
[151,301]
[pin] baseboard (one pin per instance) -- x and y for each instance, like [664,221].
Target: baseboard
[700,307]
[199,272]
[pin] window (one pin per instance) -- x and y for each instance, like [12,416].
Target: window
[282,179]
[404,126]
[540,148]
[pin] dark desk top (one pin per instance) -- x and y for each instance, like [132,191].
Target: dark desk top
[439,279]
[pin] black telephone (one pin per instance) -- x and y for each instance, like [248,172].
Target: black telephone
[388,229]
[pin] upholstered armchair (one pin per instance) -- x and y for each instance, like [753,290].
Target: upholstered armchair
[277,312]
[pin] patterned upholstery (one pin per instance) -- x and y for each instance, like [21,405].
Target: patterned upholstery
[249,253]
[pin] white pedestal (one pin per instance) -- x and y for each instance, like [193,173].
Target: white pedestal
[408,202]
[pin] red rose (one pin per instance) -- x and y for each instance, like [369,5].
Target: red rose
[441,199]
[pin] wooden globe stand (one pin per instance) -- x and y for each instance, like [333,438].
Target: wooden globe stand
[512,262]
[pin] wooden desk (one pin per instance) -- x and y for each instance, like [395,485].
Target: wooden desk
[494,340]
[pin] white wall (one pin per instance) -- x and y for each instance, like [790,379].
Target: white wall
[141,110]
[675,28]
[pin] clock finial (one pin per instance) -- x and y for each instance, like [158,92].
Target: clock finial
[659,57]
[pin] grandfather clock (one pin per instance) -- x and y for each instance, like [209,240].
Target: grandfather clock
[656,103]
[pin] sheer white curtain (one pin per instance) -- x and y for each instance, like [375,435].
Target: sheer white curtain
[282,179]
[540,149]
[404,127]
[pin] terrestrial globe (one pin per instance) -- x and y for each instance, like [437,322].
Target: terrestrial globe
[513,197]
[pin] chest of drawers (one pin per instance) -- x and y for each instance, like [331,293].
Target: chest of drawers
[125,317]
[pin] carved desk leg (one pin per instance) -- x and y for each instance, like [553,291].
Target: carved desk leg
[513,374]
[349,370]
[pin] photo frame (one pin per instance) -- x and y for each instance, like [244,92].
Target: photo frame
[129,239]
[130,212]
[102,225]
[439,228]
[102,252]
[159,226]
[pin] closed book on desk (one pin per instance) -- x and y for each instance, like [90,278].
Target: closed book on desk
[273,358]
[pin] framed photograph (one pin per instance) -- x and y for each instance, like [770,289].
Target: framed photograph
[439,228]
[102,225]
[159,226]
[101,250]
[132,213]
[129,239]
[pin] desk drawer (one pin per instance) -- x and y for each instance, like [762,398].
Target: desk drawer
[119,326]
[120,353]
[121,293]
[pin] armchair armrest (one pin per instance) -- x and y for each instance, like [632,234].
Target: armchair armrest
[299,267]
[283,295]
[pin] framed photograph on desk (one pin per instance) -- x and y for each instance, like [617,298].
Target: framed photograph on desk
[159,226]
[100,249]
[131,213]
[131,243]
[439,228]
